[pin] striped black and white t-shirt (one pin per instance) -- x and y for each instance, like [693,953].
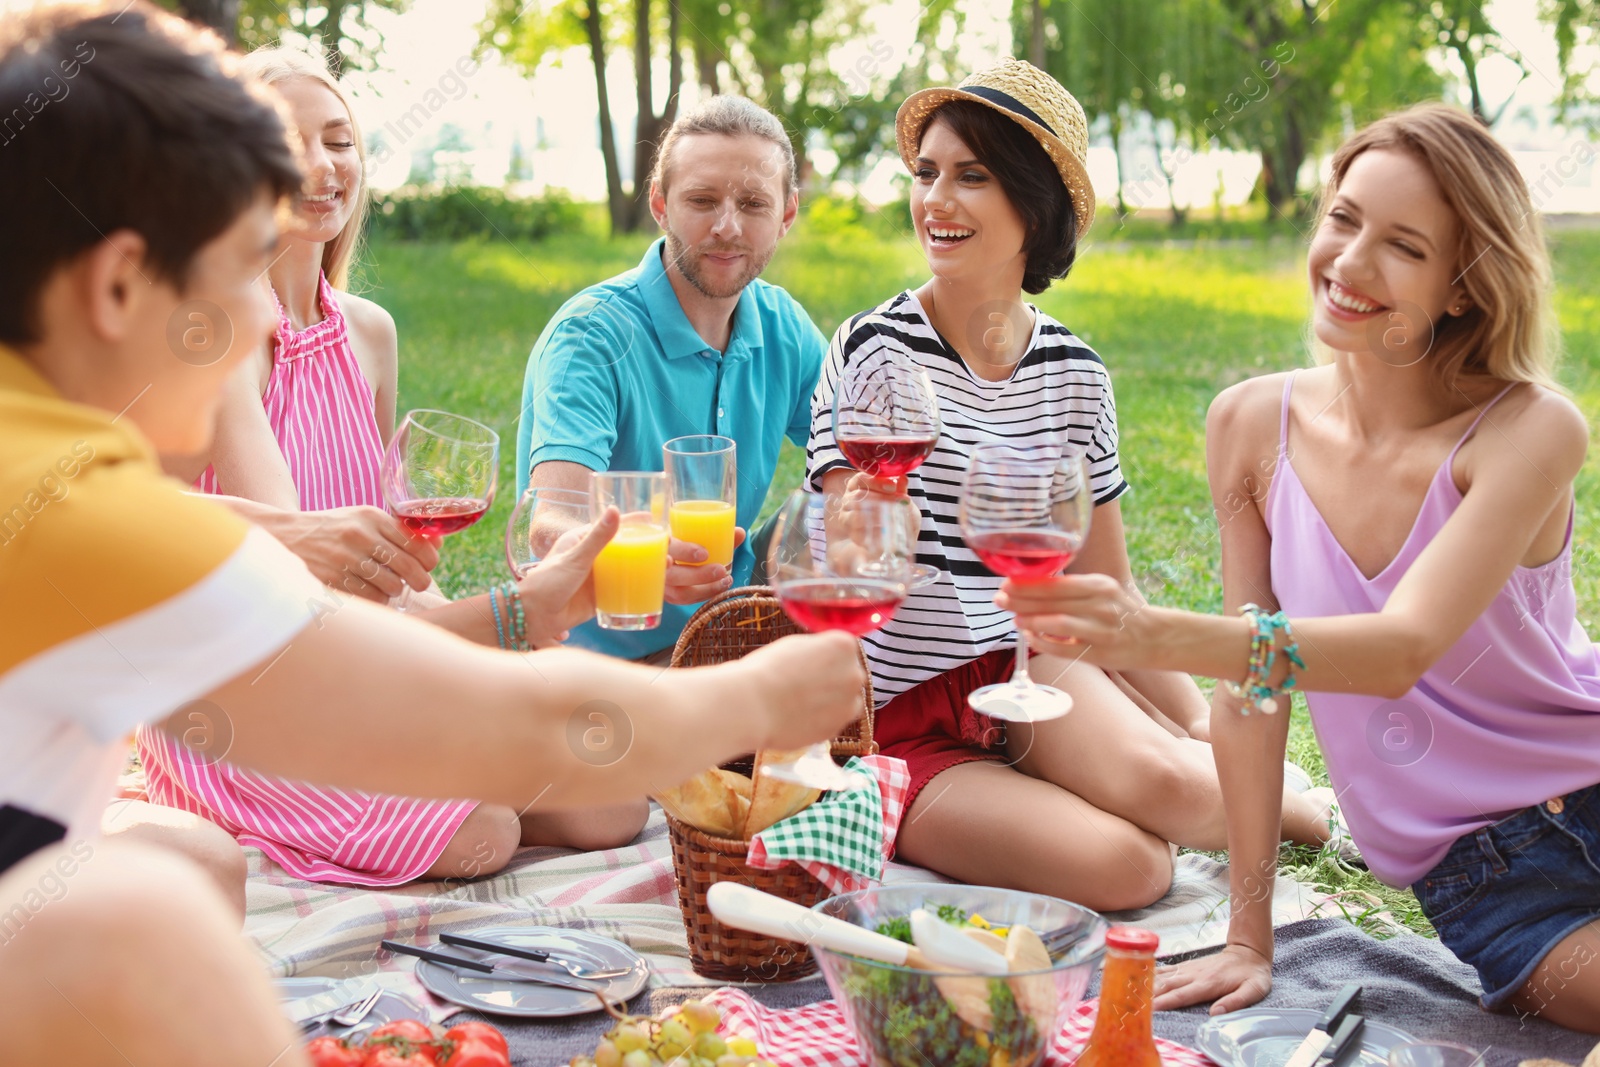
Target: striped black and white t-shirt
[1059,388]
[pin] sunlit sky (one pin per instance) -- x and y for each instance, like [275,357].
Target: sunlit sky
[554,114]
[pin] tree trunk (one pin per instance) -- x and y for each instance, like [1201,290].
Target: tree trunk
[332,31]
[219,15]
[1116,151]
[616,202]
[705,65]
[648,128]
[1280,166]
[1036,35]
[651,125]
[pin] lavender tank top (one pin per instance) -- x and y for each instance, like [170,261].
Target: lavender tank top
[1507,718]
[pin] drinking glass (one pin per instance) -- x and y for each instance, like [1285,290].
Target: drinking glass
[886,422]
[702,479]
[439,472]
[839,564]
[1025,511]
[538,520]
[630,574]
[1434,1054]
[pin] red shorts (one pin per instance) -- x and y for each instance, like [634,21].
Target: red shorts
[932,728]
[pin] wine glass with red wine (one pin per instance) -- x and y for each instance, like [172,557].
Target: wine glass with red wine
[1025,511]
[886,422]
[839,562]
[439,472]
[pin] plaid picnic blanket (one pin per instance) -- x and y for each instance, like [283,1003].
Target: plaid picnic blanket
[629,893]
[818,1036]
[845,838]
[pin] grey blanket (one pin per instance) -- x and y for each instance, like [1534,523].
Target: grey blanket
[1408,982]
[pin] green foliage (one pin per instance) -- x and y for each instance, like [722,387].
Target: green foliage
[413,214]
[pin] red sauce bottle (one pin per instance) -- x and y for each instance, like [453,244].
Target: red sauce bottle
[1122,1036]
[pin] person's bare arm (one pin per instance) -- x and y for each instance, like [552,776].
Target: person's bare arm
[376,345]
[1515,486]
[370,699]
[1173,693]
[690,580]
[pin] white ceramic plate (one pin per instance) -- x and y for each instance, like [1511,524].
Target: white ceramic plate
[389,1007]
[495,996]
[1267,1037]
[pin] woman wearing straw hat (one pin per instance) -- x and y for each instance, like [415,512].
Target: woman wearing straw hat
[999,200]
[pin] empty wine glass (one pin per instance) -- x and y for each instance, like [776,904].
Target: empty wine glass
[1025,511]
[439,472]
[538,520]
[838,563]
[886,422]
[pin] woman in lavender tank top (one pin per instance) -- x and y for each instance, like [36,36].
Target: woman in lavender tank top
[1407,505]
[298,448]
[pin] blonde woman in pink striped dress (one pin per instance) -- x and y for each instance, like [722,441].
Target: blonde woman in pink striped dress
[298,448]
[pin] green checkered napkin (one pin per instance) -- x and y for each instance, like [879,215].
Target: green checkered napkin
[842,830]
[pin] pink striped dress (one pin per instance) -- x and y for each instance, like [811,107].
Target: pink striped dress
[320,407]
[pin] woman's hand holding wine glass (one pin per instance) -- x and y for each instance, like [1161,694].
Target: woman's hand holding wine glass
[1025,512]
[886,423]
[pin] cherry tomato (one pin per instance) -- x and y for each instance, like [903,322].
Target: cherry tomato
[410,1029]
[331,1052]
[479,1032]
[472,1053]
[399,1055]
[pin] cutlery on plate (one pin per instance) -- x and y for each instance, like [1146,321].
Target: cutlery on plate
[351,1015]
[536,955]
[480,969]
[1344,1040]
[1320,1037]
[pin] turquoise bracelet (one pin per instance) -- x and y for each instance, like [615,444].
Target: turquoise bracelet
[1256,688]
[494,610]
[516,617]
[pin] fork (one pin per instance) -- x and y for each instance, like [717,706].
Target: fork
[536,955]
[352,1014]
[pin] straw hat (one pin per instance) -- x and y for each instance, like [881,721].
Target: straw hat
[1029,97]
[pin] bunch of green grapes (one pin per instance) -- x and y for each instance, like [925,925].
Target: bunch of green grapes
[688,1039]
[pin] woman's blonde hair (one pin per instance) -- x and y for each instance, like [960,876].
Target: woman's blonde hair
[276,65]
[1509,333]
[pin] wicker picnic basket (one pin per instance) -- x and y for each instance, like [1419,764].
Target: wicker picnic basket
[725,628]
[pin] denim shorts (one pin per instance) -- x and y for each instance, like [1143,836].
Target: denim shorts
[1504,896]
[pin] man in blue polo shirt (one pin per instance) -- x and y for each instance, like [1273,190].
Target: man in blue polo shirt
[688,342]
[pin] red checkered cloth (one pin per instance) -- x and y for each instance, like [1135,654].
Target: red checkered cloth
[894,781]
[818,1036]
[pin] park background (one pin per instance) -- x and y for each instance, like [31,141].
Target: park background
[505,186]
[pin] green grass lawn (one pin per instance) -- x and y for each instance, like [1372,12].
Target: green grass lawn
[1175,324]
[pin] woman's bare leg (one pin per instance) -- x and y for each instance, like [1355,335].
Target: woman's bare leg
[988,824]
[586,831]
[1164,783]
[481,846]
[1565,987]
[202,841]
[113,952]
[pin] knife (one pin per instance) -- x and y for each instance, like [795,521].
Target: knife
[1318,1039]
[505,974]
[1344,1039]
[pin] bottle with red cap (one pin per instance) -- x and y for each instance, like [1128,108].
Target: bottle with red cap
[1122,1030]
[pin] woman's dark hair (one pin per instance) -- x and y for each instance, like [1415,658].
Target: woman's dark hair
[1031,182]
[122,117]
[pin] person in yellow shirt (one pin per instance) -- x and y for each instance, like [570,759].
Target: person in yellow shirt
[139,198]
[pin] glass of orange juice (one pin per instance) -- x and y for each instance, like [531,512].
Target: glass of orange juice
[702,479]
[630,574]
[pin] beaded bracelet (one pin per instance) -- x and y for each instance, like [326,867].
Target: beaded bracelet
[1256,688]
[494,611]
[517,618]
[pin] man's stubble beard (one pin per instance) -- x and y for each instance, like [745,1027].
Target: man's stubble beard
[688,263]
